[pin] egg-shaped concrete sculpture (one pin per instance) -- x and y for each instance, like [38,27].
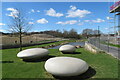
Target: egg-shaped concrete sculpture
[67,48]
[65,66]
[33,53]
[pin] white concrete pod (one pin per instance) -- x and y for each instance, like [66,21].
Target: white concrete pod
[67,48]
[33,53]
[65,66]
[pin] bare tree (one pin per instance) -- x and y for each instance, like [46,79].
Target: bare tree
[19,24]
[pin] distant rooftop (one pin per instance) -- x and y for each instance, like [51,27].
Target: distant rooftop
[115,7]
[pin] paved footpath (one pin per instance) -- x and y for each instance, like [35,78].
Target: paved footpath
[114,51]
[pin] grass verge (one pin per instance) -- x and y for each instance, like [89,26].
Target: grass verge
[103,65]
[110,44]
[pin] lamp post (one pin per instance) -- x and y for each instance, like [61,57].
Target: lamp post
[109,18]
[115,28]
[108,39]
[99,35]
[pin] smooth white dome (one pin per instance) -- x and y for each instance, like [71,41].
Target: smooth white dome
[67,48]
[66,66]
[33,53]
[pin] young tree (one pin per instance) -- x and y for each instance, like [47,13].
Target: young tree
[73,33]
[19,24]
[65,34]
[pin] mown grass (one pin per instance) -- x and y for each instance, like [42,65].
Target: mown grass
[104,65]
[110,44]
[114,45]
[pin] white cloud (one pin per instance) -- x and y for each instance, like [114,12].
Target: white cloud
[35,31]
[1,24]
[67,22]
[74,12]
[86,20]
[52,12]
[10,9]
[30,22]
[13,12]
[1,30]
[42,21]
[60,22]
[32,10]
[108,18]
[106,28]
[38,10]
[98,20]
[73,7]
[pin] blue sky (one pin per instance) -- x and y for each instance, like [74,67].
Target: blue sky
[59,15]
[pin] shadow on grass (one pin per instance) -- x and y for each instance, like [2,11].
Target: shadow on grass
[6,61]
[88,74]
[71,52]
[38,59]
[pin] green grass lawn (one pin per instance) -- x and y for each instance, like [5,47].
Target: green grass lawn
[103,65]
[114,45]
[110,44]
